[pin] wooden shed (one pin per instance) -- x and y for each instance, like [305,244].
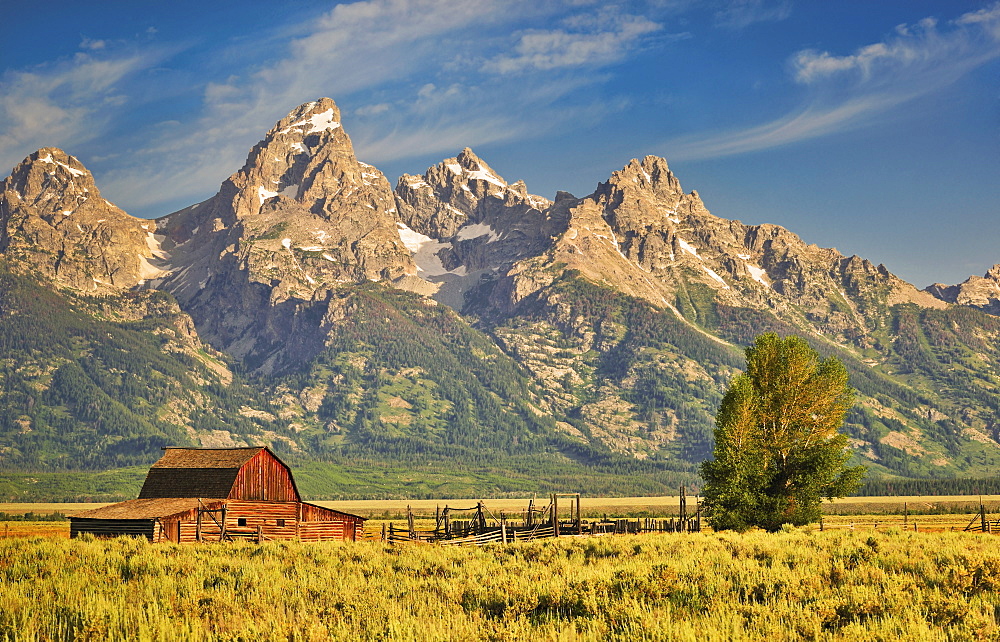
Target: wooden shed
[216,494]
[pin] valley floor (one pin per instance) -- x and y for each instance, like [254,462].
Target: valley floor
[799,584]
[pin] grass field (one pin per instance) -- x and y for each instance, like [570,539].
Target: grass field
[596,505]
[791,585]
[860,513]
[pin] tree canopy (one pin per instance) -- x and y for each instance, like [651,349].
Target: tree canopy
[778,449]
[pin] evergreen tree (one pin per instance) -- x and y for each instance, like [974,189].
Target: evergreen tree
[778,449]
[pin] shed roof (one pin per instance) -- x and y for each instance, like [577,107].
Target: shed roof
[147,508]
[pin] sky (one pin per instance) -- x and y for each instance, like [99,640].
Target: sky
[872,127]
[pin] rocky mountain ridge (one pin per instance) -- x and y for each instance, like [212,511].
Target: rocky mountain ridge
[53,220]
[981,292]
[616,316]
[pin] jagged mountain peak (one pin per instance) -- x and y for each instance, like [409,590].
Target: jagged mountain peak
[459,191]
[302,218]
[651,173]
[312,117]
[51,171]
[54,222]
[981,292]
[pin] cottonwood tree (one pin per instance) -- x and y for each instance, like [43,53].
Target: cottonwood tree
[778,449]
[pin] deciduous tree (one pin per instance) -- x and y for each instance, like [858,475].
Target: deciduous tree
[778,449]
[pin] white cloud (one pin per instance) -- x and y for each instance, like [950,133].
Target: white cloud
[62,103]
[425,56]
[739,14]
[811,122]
[848,91]
[600,43]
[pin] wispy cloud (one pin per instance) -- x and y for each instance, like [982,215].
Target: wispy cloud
[849,91]
[809,122]
[593,42]
[412,76]
[66,102]
[740,14]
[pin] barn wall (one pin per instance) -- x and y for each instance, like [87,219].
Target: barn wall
[112,527]
[334,526]
[264,478]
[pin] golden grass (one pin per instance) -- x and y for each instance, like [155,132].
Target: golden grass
[792,585]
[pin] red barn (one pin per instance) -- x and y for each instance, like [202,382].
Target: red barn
[216,494]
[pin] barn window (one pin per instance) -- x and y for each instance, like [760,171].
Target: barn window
[281,523]
[242,521]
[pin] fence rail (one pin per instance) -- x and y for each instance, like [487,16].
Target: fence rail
[478,526]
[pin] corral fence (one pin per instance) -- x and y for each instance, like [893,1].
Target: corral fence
[561,517]
[981,521]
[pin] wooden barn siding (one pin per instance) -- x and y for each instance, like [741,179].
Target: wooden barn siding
[332,525]
[264,478]
[112,527]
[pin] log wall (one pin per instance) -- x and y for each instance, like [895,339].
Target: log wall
[271,520]
[112,527]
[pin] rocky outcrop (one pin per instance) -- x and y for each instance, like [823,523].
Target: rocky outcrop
[981,292]
[463,222]
[641,234]
[54,223]
[301,218]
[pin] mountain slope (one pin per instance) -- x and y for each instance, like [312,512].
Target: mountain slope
[455,332]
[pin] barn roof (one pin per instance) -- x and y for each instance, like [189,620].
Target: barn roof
[198,472]
[207,457]
[146,508]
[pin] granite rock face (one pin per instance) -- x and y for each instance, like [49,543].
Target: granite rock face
[641,234]
[981,292]
[301,218]
[463,222]
[54,223]
[273,268]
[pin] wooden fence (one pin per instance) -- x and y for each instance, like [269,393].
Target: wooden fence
[478,526]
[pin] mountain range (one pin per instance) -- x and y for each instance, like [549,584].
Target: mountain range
[454,334]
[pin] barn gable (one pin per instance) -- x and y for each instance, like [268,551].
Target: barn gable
[253,473]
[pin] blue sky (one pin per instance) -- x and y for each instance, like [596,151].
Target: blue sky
[870,126]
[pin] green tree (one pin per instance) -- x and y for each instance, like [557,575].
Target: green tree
[778,449]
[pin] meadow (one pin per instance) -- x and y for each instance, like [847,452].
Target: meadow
[791,585]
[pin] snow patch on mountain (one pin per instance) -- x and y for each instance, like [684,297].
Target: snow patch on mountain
[715,276]
[687,247]
[758,274]
[322,121]
[482,174]
[263,194]
[476,230]
[425,251]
